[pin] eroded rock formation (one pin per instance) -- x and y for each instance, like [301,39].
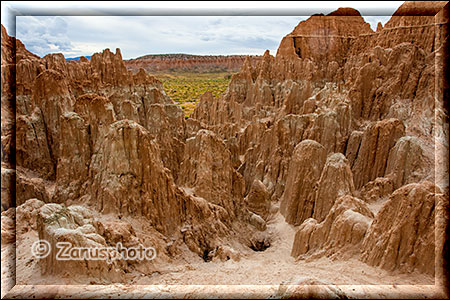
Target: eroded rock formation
[373,153]
[402,234]
[366,96]
[341,232]
[304,173]
[336,181]
[91,133]
[342,121]
[59,224]
[207,170]
[258,199]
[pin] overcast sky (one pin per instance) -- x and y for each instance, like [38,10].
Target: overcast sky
[219,28]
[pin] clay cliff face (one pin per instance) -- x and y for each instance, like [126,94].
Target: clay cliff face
[188,63]
[337,133]
[342,111]
[407,241]
[93,134]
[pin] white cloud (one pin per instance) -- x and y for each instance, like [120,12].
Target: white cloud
[373,21]
[140,35]
[42,35]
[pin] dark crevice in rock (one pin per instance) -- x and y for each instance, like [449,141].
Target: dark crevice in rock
[259,246]
[297,48]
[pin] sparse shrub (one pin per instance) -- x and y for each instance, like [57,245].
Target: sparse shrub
[186,88]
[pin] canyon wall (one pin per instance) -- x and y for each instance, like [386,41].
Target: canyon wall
[91,133]
[343,111]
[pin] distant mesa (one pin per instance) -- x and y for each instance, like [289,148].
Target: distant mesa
[180,62]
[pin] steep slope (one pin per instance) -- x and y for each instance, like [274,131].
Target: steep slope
[367,95]
[92,133]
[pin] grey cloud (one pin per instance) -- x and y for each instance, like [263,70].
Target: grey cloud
[137,36]
[58,26]
[43,35]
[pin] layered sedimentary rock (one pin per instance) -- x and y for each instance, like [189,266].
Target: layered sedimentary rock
[128,178]
[30,185]
[8,132]
[8,226]
[8,182]
[376,142]
[27,215]
[267,149]
[74,157]
[406,162]
[92,133]
[327,38]
[207,170]
[187,63]
[8,59]
[377,189]
[258,199]
[32,150]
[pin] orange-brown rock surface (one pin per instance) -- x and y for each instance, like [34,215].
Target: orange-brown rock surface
[366,95]
[336,181]
[187,63]
[304,172]
[258,199]
[125,171]
[8,107]
[406,162]
[402,235]
[327,38]
[8,226]
[207,170]
[376,142]
[92,133]
[377,189]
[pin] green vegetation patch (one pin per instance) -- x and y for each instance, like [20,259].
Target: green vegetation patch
[186,88]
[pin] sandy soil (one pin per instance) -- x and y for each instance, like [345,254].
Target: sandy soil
[274,266]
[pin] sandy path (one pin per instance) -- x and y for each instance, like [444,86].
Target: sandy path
[275,266]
